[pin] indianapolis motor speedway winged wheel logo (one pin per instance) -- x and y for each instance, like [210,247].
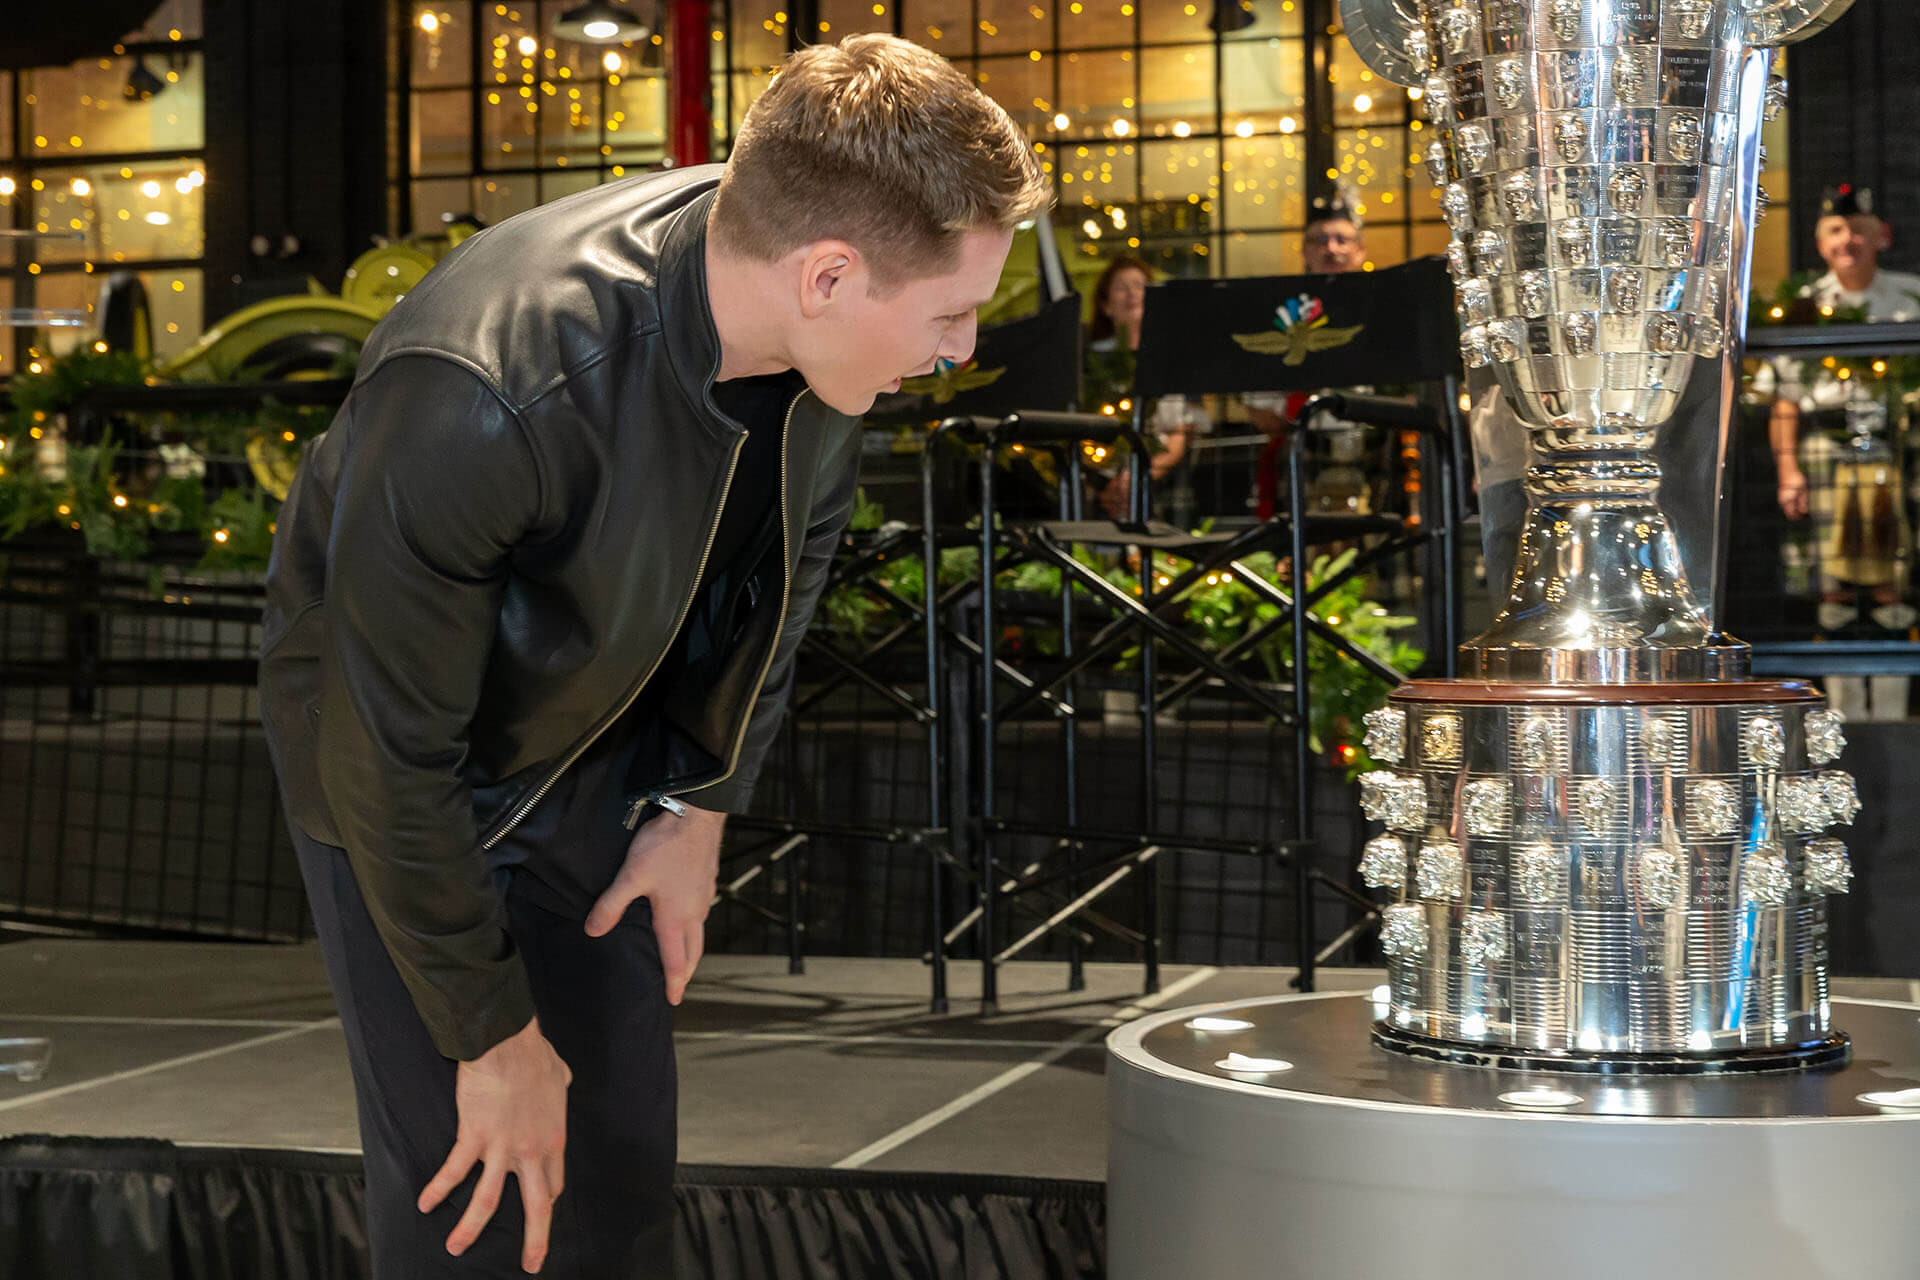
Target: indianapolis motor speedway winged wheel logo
[1299,329]
[945,384]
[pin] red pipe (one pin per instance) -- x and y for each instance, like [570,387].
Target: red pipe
[689,83]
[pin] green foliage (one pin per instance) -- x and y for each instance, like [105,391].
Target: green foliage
[1792,303]
[142,477]
[851,612]
[867,516]
[58,383]
[1224,608]
[243,530]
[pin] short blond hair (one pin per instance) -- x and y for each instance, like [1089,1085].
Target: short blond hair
[883,144]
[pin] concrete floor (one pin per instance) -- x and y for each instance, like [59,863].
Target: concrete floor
[237,1045]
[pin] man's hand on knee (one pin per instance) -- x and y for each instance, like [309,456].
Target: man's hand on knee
[513,1119]
[674,863]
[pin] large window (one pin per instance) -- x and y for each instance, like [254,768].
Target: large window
[502,116]
[1184,132]
[103,159]
[1190,133]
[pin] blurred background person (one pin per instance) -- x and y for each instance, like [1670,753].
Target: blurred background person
[1837,452]
[1172,421]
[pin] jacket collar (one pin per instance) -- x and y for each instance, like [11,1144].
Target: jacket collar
[686,316]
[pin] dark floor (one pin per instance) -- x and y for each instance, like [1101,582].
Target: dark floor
[842,1066]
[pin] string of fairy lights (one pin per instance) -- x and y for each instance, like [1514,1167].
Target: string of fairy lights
[1165,135]
[1162,132]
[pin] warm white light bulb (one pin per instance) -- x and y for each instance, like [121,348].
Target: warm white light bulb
[429,22]
[600,29]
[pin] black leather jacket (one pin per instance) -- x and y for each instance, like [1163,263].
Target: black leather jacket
[490,551]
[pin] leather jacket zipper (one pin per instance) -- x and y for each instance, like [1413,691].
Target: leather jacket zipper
[686,607]
[663,797]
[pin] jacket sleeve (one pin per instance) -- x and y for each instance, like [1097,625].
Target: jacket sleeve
[832,509]
[436,484]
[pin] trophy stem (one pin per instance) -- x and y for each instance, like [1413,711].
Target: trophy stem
[1599,592]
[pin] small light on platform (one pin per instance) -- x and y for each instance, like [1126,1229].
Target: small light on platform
[1894,1099]
[1219,1024]
[1242,1064]
[1541,1099]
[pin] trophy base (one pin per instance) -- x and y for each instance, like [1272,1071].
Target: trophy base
[1833,1049]
[1609,873]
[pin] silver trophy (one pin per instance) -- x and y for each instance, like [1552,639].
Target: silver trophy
[1606,847]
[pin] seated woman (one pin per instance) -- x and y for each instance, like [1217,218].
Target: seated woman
[1119,302]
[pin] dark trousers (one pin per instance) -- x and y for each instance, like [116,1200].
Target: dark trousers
[602,1004]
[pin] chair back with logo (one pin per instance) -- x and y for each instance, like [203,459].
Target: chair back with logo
[1296,333]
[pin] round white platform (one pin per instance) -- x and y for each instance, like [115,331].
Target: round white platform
[1353,1163]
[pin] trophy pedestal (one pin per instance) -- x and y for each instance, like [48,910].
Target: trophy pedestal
[1362,1164]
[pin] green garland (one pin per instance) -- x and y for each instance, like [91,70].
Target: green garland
[121,490]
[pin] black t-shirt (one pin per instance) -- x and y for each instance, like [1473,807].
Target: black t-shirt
[760,405]
[569,847]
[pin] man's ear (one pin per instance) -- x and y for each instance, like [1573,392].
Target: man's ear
[827,267]
[1884,240]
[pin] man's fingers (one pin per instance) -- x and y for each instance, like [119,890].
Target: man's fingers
[696,945]
[613,904]
[486,1198]
[672,936]
[538,1201]
[459,1161]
